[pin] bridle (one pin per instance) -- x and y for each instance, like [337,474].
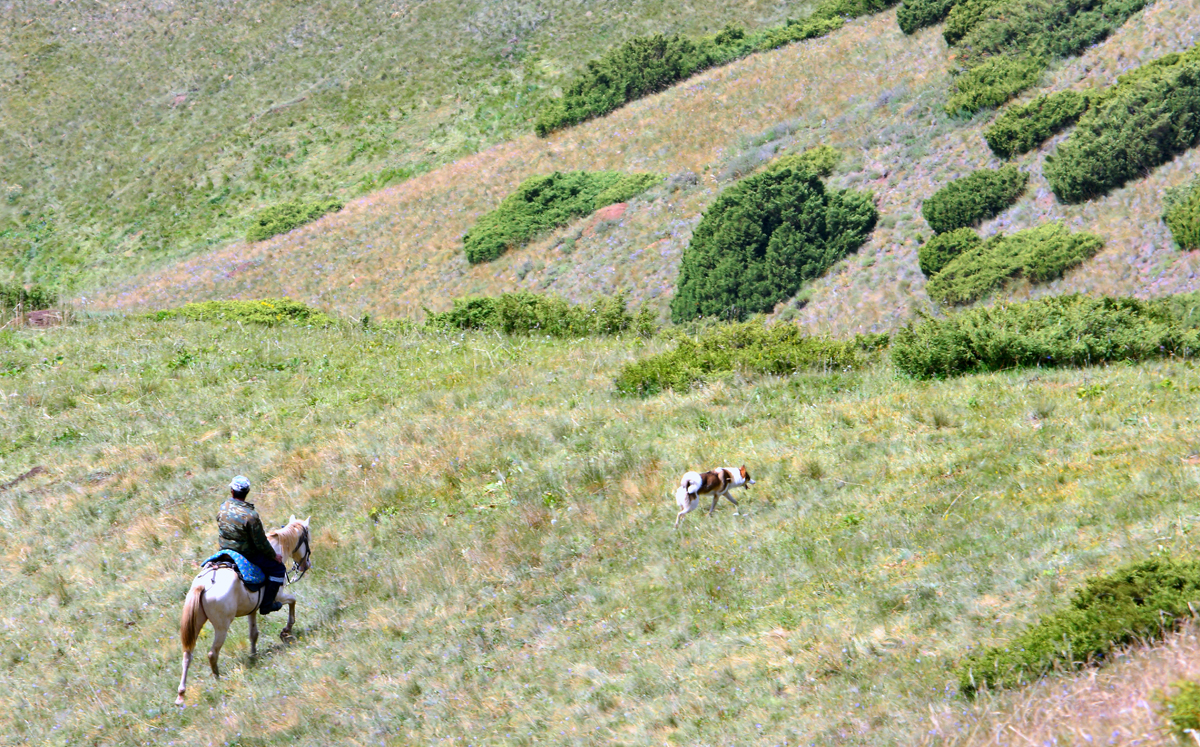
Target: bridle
[304,540]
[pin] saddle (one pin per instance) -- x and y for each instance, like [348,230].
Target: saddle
[250,574]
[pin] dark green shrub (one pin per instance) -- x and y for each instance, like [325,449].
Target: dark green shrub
[1059,331]
[1137,602]
[944,247]
[268,312]
[1047,29]
[282,218]
[647,64]
[964,16]
[639,67]
[1182,709]
[1140,126]
[525,313]
[1004,46]
[1037,254]
[33,298]
[821,160]
[779,349]
[974,198]
[542,203]
[1020,129]
[1182,215]
[993,82]
[762,238]
[913,15]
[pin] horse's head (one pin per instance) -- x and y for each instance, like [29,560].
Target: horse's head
[302,550]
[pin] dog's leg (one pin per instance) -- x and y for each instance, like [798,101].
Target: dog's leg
[716,497]
[735,503]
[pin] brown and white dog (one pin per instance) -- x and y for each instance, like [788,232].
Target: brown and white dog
[717,482]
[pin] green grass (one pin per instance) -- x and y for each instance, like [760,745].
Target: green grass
[493,554]
[530,314]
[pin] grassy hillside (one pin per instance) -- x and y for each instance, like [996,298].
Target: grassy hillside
[139,131]
[394,251]
[494,558]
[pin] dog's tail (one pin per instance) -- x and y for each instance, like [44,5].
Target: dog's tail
[691,483]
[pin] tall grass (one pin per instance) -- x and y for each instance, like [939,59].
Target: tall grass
[494,560]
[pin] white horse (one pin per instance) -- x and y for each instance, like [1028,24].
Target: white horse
[219,596]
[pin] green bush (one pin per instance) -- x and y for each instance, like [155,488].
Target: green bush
[268,312]
[944,247]
[1037,254]
[964,16]
[1059,331]
[762,238]
[647,64]
[1182,709]
[542,203]
[1020,129]
[913,15]
[1182,215]
[821,160]
[282,218]
[639,67]
[525,313]
[1004,46]
[33,298]
[974,198]
[993,82]
[1137,602]
[1141,125]
[779,349]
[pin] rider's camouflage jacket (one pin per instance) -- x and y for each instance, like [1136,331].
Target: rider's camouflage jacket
[242,530]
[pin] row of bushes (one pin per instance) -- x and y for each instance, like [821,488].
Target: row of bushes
[1038,255]
[751,346]
[974,198]
[1135,603]
[765,236]
[1003,46]
[1182,215]
[1020,129]
[268,312]
[1058,331]
[29,299]
[647,64]
[1144,121]
[282,218]
[529,313]
[542,203]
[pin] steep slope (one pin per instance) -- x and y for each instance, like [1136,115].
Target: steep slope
[866,89]
[134,131]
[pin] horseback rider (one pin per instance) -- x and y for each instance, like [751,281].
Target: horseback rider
[242,531]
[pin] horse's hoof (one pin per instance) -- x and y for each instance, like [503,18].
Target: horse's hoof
[179,700]
[286,635]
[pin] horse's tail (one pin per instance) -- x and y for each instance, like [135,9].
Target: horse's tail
[193,618]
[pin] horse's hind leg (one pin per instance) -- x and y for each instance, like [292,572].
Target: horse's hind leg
[187,662]
[214,653]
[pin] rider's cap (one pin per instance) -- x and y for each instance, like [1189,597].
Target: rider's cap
[239,484]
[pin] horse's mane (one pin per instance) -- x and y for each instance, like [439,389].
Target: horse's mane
[288,536]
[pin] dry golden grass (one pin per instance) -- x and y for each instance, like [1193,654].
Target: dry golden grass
[866,89]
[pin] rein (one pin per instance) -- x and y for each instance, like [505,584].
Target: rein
[296,563]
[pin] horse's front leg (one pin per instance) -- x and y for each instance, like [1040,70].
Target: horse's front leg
[290,601]
[253,634]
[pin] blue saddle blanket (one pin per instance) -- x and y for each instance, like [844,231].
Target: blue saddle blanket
[251,574]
